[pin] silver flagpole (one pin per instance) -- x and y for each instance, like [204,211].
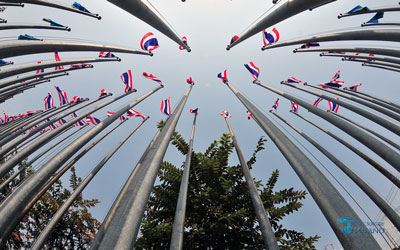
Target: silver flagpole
[379,24]
[32,26]
[381,67]
[389,9]
[375,51]
[371,62]
[376,58]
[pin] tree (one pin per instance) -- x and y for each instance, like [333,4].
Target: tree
[219,212]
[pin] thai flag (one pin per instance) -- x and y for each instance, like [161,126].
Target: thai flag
[103,92]
[152,77]
[166,106]
[1,120]
[275,106]
[62,95]
[358,8]
[295,107]
[333,106]
[79,7]
[354,87]
[76,99]
[249,115]
[48,101]
[184,40]
[80,66]
[190,80]
[109,113]
[92,120]
[226,114]
[38,71]
[62,121]
[317,101]
[333,82]
[53,125]
[80,123]
[223,76]
[269,38]
[369,59]
[293,80]
[254,70]
[106,54]
[194,111]
[127,80]
[309,45]
[375,19]
[149,42]
[234,38]
[132,112]
[58,59]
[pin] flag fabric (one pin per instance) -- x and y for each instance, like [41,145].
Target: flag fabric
[354,87]
[270,38]
[76,99]
[275,106]
[152,77]
[62,121]
[309,45]
[358,8]
[80,123]
[28,37]
[226,114]
[234,38]
[149,42]
[184,40]
[333,106]
[62,95]
[369,59]
[253,69]
[106,54]
[126,78]
[53,126]
[38,71]
[53,23]
[1,120]
[132,112]
[190,80]
[48,101]
[103,92]
[78,6]
[223,76]
[92,120]
[293,80]
[333,82]
[376,17]
[194,111]
[121,118]
[3,62]
[249,115]
[166,106]
[58,59]
[317,101]
[294,106]
[80,66]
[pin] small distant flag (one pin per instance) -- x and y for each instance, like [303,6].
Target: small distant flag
[62,95]
[62,121]
[166,106]
[270,38]
[53,23]
[294,106]
[184,40]
[58,59]
[369,59]
[106,54]
[1,120]
[249,115]
[28,37]
[152,77]
[92,120]
[53,126]
[234,38]
[132,112]
[149,42]
[375,19]
[354,87]
[38,71]
[293,80]
[317,101]
[275,106]
[223,76]
[309,45]
[78,6]
[4,63]
[48,101]
[80,123]
[194,111]
[127,80]
[358,8]
[190,80]
[103,92]
[253,69]
[109,113]
[80,66]
[333,82]
[333,106]
[226,114]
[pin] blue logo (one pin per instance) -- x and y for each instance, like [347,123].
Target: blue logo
[354,226]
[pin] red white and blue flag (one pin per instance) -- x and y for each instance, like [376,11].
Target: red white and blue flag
[80,123]
[275,106]
[190,80]
[184,40]
[333,106]
[132,112]
[194,111]
[48,101]
[152,77]
[333,82]
[62,95]
[226,114]
[122,118]
[80,66]
[293,80]
[270,38]
[309,45]
[103,92]
[92,120]
[294,106]
[149,42]
[234,38]
[254,70]
[58,59]
[53,126]
[354,87]
[166,106]
[106,54]
[317,101]
[126,78]
[76,99]
[249,115]
[223,76]
[62,121]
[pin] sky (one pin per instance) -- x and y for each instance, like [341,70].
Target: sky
[209,26]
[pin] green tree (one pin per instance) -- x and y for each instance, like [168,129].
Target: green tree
[219,212]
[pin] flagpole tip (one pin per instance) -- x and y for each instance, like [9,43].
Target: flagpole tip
[98,16]
[305,83]
[228,47]
[91,66]
[22,5]
[151,53]
[119,59]
[321,54]
[68,29]
[340,16]
[295,50]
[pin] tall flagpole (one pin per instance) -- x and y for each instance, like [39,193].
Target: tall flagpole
[397,66]
[124,226]
[32,26]
[366,50]
[387,9]
[374,57]
[179,220]
[328,198]
[265,225]
[42,238]
[381,67]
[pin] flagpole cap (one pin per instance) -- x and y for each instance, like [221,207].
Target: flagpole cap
[91,66]
[68,29]
[66,73]
[282,82]
[228,47]
[321,54]
[188,49]
[295,50]
[162,86]
[98,16]
[340,16]
[134,90]
[151,53]
[263,48]
[119,59]
[22,5]
[343,59]
[305,83]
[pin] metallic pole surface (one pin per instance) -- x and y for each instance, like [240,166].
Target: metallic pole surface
[376,58]
[42,238]
[20,198]
[372,62]
[22,124]
[379,24]
[285,11]
[381,149]
[180,212]
[125,224]
[381,203]
[358,152]
[388,9]
[265,225]
[32,26]
[374,97]
[375,51]
[381,67]
[329,200]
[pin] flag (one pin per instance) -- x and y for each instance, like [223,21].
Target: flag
[1,120]
[106,54]
[333,82]
[317,101]
[53,23]
[103,92]
[270,38]
[184,40]
[152,77]
[48,101]
[62,121]
[190,80]
[38,71]
[375,19]
[249,115]
[369,59]
[80,66]
[3,62]
[293,80]
[234,38]
[92,120]
[62,95]
[53,126]
[28,37]
[223,76]
[80,123]
[275,106]
[294,106]
[78,6]
[333,106]
[194,111]
[127,80]
[226,114]
[149,42]
[309,45]
[109,113]
[254,70]
[166,106]
[354,87]
[58,59]
[132,112]
[76,99]
[358,8]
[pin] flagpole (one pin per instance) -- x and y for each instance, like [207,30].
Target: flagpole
[360,93]
[358,152]
[32,26]
[328,198]
[125,222]
[381,203]
[12,4]
[19,199]
[21,124]
[179,220]
[381,67]
[372,62]
[389,9]
[375,51]
[5,95]
[379,24]
[377,58]
[20,146]
[42,238]
[264,223]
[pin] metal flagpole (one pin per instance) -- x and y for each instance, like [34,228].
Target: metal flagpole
[20,89]
[265,225]
[124,226]
[372,62]
[12,4]
[20,146]
[20,198]
[381,203]
[329,200]
[388,9]
[376,58]
[22,122]
[381,67]
[358,152]
[379,24]
[375,51]
[32,26]
[179,220]
[41,240]
[360,93]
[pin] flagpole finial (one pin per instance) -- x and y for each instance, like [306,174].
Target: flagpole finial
[68,29]
[295,50]
[98,16]
[228,47]
[119,59]
[151,53]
